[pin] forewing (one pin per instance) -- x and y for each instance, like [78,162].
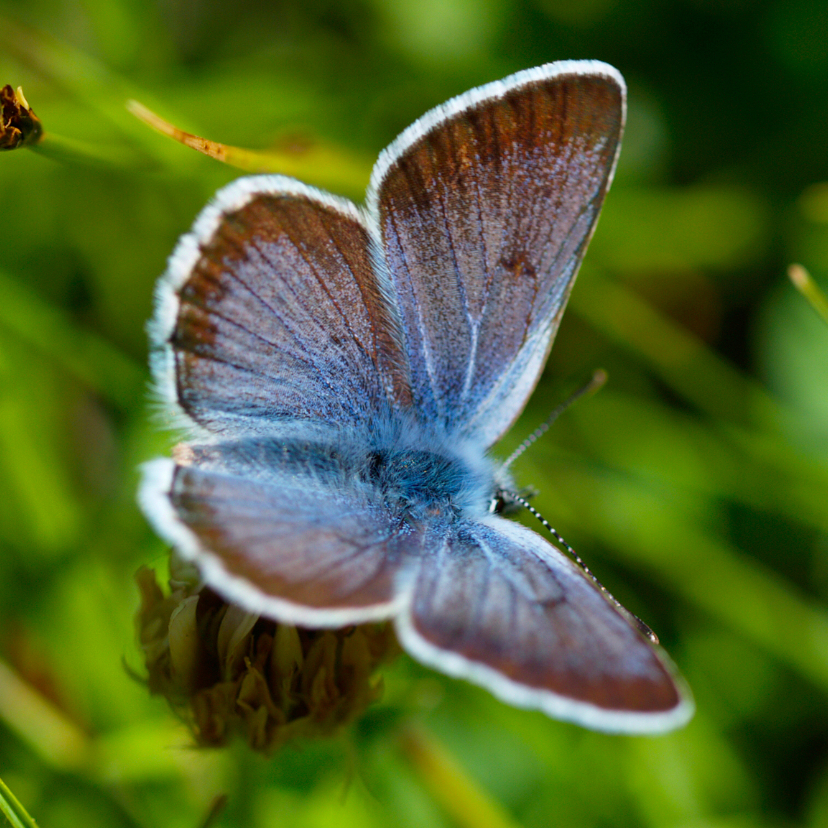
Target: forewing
[273,530]
[501,607]
[270,311]
[484,208]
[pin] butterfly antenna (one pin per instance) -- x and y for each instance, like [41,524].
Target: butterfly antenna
[598,379]
[642,627]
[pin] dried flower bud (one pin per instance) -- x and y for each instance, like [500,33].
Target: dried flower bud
[226,671]
[19,126]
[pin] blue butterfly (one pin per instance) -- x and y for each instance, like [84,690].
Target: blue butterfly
[344,372]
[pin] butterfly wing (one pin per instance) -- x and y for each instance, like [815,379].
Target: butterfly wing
[498,605]
[270,312]
[281,528]
[484,208]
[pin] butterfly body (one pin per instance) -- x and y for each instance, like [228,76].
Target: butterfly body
[345,372]
[395,464]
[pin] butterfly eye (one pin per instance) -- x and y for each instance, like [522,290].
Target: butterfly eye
[497,504]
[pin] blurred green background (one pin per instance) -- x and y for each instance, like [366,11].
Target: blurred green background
[695,484]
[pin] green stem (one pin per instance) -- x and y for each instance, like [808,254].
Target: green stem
[71,151]
[13,810]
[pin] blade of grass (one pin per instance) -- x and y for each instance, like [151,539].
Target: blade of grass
[704,458]
[51,734]
[457,792]
[88,357]
[317,162]
[679,358]
[809,289]
[10,806]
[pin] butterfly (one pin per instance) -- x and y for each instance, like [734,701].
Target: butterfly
[345,371]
